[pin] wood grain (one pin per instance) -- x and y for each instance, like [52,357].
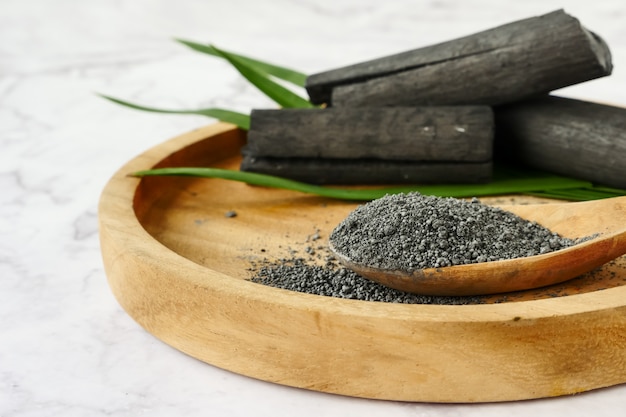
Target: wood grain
[446,133]
[571,137]
[179,267]
[500,65]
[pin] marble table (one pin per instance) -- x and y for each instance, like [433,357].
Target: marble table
[66,346]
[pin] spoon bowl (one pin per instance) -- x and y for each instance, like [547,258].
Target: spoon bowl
[605,220]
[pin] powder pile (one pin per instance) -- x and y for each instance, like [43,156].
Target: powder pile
[412,231]
[332,280]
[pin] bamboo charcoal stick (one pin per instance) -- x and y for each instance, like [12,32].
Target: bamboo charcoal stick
[452,133]
[511,62]
[565,136]
[374,172]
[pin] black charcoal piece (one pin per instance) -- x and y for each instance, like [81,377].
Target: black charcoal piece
[500,65]
[566,136]
[369,171]
[447,133]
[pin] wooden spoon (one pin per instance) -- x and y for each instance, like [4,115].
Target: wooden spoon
[605,218]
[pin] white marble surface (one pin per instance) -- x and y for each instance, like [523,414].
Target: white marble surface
[66,347]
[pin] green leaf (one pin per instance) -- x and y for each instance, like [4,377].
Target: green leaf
[239,119]
[505,186]
[616,191]
[295,77]
[581,194]
[281,95]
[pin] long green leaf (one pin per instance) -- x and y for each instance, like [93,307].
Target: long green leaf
[617,191]
[506,186]
[578,194]
[287,74]
[239,119]
[281,95]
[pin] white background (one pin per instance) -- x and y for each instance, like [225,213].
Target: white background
[66,347]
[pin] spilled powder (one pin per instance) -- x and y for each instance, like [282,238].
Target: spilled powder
[303,274]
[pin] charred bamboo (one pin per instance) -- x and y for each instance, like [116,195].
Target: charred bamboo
[570,137]
[505,64]
[361,171]
[451,133]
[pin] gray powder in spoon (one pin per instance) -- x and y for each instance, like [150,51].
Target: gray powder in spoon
[413,231]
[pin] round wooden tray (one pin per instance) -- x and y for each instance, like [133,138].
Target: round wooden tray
[180,267]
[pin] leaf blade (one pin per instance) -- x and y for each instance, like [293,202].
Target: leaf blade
[510,186]
[578,194]
[287,74]
[241,120]
[281,95]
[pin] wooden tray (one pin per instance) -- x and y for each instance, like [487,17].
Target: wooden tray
[179,267]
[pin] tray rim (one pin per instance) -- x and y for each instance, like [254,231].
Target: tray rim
[121,190]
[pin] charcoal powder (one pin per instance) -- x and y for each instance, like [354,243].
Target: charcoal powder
[413,231]
[332,280]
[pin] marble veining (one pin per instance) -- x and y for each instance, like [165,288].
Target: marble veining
[66,347]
